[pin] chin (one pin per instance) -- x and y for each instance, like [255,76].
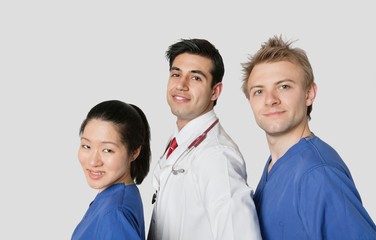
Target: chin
[96,186]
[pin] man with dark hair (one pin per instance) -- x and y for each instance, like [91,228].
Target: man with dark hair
[201,179]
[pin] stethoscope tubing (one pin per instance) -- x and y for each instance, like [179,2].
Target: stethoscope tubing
[195,143]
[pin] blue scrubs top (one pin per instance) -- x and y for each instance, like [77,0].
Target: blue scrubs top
[115,213]
[309,194]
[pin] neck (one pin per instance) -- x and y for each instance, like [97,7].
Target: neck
[280,144]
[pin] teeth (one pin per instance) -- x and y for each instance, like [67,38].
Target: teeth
[97,173]
[179,98]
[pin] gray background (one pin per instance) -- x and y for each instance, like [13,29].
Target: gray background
[60,58]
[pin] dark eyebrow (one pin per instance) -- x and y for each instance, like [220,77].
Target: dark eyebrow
[84,138]
[173,68]
[199,73]
[103,142]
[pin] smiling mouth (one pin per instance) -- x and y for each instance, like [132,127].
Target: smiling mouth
[180,98]
[95,174]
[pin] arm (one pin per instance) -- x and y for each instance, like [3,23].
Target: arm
[226,196]
[118,224]
[330,206]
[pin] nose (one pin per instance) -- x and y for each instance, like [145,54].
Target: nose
[95,159]
[272,98]
[182,83]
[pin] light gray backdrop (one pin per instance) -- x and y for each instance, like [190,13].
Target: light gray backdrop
[60,58]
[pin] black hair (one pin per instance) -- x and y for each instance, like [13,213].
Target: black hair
[202,48]
[133,129]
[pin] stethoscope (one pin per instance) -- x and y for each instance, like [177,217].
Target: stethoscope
[195,143]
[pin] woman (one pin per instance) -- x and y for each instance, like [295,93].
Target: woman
[115,156]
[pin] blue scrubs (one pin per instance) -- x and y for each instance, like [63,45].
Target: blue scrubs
[115,213]
[310,194]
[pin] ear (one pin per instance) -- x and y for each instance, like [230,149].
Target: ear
[311,94]
[135,153]
[217,89]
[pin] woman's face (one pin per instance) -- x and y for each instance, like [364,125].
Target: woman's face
[103,157]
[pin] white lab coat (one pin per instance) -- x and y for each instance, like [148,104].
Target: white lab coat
[211,198]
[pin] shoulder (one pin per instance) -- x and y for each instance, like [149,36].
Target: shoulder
[322,149]
[118,223]
[218,146]
[327,183]
[218,153]
[314,153]
[219,140]
[122,197]
[327,193]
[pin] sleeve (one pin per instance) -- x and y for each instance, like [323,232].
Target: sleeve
[118,224]
[330,206]
[222,183]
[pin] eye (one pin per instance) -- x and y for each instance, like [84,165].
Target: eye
[85,146]
[196,78]
[285,86]
[107,150]
[174,73]
[257,92]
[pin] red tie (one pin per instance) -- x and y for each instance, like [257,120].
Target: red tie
[173,145]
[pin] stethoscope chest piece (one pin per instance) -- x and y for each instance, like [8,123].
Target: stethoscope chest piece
[176,171]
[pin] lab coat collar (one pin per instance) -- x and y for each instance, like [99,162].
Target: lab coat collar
[194,128]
